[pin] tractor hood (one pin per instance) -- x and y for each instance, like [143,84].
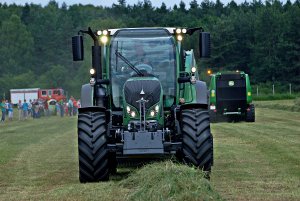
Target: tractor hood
[142,87]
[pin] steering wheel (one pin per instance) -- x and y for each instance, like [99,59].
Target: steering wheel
[143,67]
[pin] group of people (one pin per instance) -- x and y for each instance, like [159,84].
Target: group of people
[6,109]
[69,108]
[38,108]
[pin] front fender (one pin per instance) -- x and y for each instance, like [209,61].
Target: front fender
[86,96]
[201,92]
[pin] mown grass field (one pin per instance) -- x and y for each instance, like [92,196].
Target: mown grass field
[253,161]
[261,160]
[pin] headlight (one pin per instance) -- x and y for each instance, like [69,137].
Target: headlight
[104,39]
[92,71]
[132,114]
[105,32]
[178,31]
[184,31]
[156,108]
[179,38]
[99,32]
[152,113]
[131,111]
[193,69]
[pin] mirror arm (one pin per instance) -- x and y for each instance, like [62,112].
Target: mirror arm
[91,34]
[190,31]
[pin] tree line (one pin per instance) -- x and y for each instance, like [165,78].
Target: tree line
[260,38]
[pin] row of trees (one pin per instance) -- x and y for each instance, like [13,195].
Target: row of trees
[263,39]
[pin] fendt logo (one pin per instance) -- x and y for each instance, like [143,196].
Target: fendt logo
[231,83]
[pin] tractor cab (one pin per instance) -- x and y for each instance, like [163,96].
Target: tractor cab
[140,53]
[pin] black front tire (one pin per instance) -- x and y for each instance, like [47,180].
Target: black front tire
[92,147]
[197,143]
[250,115]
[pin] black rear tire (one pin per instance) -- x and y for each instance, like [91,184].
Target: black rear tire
[250,115]
[92,147]
[197,142]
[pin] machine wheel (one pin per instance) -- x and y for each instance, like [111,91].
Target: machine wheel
[250,115]
[92,142]
[112,163]
[213,117]
[197,143]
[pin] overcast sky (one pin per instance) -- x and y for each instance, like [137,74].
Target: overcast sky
[156,3]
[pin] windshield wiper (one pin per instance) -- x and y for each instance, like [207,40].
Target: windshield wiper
[138,72]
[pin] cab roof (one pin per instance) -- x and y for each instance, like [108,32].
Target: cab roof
[170,30]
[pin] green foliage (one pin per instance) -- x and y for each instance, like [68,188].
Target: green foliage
[265,89]
[275,97]
[261,39]
[16,46]
[54,77]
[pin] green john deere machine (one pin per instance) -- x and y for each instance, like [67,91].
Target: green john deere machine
[231,97]
[144,100]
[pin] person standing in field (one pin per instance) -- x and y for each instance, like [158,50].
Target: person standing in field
[3,110]
[78,104]
[57,106]
[6,106]
[70,106]
[74,107]
[62,110]
[25,109]
[46,108]
[20,109]
[36,109]
[10,111]
[66,108]
[30,108]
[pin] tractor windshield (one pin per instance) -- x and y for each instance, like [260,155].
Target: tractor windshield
[151,51]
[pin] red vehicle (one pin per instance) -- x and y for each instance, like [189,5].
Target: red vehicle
[47,94]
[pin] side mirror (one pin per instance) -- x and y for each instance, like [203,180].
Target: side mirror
[77,48]
[204,44]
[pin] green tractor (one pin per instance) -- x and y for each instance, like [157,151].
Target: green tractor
[231,97]
[143,101]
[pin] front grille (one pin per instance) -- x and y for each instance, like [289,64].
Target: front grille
[151,88]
